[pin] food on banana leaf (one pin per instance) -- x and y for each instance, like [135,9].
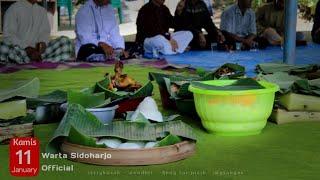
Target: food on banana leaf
[110,142]
[132,145]
[122,82]
[225,71]
[174,88]
[230,70]
[81,127]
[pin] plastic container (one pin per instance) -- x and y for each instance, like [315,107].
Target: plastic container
[105,115]
[234,113]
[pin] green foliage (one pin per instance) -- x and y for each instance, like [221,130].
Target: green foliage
[307,8]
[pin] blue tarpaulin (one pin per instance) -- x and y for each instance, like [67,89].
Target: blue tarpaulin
[213,59]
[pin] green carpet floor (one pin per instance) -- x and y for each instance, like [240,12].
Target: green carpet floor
[288,151]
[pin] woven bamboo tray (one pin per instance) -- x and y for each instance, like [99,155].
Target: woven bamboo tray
[126,157]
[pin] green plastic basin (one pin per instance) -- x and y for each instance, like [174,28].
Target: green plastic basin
[234,113]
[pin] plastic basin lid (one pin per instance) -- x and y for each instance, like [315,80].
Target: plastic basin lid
[269,88]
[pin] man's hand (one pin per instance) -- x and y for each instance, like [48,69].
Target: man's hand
[108,50]
[33,54]
[180,6]
[125,54]
[202,40]
[41,47]
[248,43]
[221,38]
[174,45]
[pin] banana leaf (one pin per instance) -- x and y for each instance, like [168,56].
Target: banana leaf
[159,78]
[76,137]
[238,71]
[139,118]
[165,80]
[87,100]
[241,84]
[12,109]
[169,140]
[88,90]
[56,96]
[290,83]
[183,91]
[29,118]
[144,91]
[28,89]
[88,125]
[282,79]
[304,86]
[269,68]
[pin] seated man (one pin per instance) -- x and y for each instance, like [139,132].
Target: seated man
[240,24]
[193,15]
[153,23]
[270,23]
[97,31]
[26,33]
[316,25]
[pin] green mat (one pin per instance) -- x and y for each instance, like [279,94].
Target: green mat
[289,151]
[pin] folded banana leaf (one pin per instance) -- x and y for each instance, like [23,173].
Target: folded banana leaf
[159,78]
[29,118]
[144,91]
[183,82]
[169,140]
[226,71]
[307,87]
[202,75]
[28,89]
[56,97]
[88,125]
[181,92]
[87,100]
[290,83]
[76,137]
[12,109]
[269,68]
[141,118]
[241,84]
[282,79]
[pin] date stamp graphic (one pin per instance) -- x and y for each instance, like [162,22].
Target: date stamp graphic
[24,156]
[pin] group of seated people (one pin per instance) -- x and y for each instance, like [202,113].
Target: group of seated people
[26,30]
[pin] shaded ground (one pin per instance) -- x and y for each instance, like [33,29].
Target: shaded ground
[281,152]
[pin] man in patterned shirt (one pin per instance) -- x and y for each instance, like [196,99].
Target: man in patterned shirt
[240,22]
[26,33]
